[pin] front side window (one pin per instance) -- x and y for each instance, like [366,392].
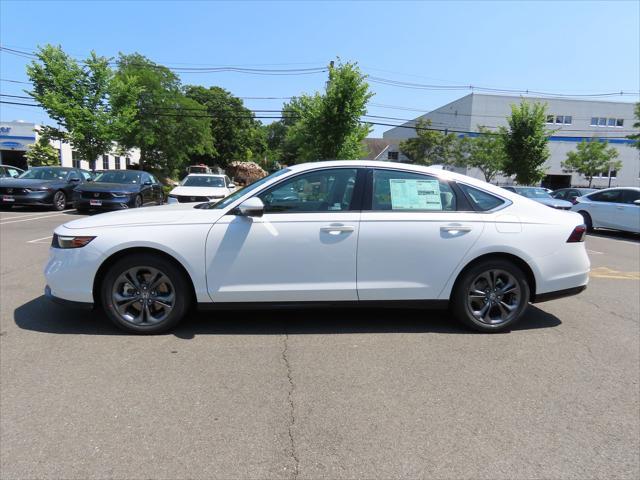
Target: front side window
[73,175]
[608,196]
[480,199]
[86,175]
[318,191]
[408,191]
[631,196]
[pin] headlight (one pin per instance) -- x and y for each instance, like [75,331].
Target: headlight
[36,189]
[215,197]
[172,196]
[64,241]
[120,194]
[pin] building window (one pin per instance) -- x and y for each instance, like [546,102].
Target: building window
[117,161]
[105,162]
[611,122]
[602,122]
[549,118]
[392,155]
[559,119]
[619,122]
[75,159]
[613,173]
[127,162]
[594,121]
[567,119]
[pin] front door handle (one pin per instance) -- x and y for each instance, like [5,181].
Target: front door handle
[337,229]
[455,229]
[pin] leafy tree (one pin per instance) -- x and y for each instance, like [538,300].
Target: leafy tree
[168,127]
[431,146]
[636,136]
[76,95]
[591,158]
[485,152]
[327,126]
[236,134]
[42,153]
[525,143]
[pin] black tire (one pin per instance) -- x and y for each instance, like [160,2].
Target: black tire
[587,220]
[461,303]
[181,291]
[59,201]
[137,203]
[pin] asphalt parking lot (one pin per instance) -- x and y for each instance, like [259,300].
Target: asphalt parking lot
[318,394]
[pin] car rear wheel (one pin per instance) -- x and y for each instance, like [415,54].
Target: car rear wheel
[59,201]
[145,294]
[587,220]
[491,296]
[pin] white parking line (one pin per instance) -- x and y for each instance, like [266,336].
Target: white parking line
[6,222]
[39,240]
[594,252]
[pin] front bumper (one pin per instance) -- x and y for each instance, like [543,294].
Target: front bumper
[105,204]
[43,198]
[67,303]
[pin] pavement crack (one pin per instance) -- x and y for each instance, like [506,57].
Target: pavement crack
[292,413]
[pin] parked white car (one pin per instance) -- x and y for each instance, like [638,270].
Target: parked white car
[327,233]
[199,187]
[614,208]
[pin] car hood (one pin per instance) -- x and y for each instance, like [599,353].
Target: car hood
[109,187]
[553,202]
[175,214]
[199,191]
[27,182]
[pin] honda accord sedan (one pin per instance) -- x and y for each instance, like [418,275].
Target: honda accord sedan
[42,186]
[117,190]
[355,233]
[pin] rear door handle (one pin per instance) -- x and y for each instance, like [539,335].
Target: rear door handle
[453,229]
[337,229]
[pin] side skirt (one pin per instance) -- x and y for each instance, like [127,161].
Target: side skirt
[416,304]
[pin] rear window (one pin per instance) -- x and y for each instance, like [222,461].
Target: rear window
[480,199]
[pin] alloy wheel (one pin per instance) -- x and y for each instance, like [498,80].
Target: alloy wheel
[143,295]
[59,201]
[494,297]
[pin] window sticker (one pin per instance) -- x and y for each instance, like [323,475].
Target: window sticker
[415,194]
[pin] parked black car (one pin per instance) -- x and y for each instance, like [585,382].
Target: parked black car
[570,194]
[43,186]
[119,189]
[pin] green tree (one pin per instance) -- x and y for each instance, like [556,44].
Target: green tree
[636,136]
[485,152]
[327,126]
[525,143]
[41,153]
[76,95]
[168,126]
[236,134]
[592,157]
[430,146]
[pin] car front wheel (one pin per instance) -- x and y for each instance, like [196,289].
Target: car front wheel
[145,294]
[59,201]
[491,296]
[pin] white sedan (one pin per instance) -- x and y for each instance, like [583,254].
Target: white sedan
[201,187]
[327,233]
[613,208]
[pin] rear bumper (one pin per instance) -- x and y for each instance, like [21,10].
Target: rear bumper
[66,303]
[567,292]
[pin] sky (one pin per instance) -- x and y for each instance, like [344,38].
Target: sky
[573,47]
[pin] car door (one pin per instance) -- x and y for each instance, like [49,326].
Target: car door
[157,195]
[146,188]
[302,249]
[629,211]
[604,208]
[413,236]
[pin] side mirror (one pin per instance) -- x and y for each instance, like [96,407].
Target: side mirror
[252,207]
[148,182]
[74,179]
[232,185]
[636,202]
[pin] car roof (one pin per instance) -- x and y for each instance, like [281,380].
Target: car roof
[206,175]
[636,189]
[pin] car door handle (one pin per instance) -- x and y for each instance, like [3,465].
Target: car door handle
[337,229]
[454,229]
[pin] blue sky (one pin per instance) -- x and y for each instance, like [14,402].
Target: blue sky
[568,47]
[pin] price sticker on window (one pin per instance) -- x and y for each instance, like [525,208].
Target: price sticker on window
[415,194]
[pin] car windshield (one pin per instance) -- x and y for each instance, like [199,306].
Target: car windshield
[203,181]
[238,193]
[118,176]
[533,192]
[43,173]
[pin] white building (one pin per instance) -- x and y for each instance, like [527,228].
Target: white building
[570,122]
[16,138]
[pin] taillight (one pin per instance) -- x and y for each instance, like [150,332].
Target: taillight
[578,234]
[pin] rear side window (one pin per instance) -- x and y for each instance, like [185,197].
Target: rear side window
[407,191]
[480,199]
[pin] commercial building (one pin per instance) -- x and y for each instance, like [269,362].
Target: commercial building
[570,122]
[16,138]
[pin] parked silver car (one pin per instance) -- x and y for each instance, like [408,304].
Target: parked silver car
[541,195]
[614,208]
